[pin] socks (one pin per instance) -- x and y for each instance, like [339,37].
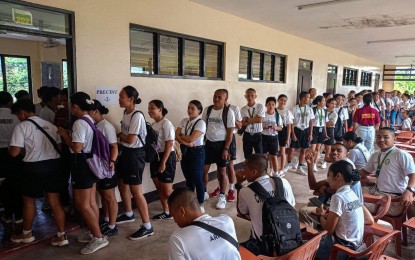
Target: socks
[25,232]
[167,212]
[129,214]
[59,234]
[106,219]
[232,186]
[147,225]
[111,226]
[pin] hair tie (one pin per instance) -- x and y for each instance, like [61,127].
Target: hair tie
[90,101]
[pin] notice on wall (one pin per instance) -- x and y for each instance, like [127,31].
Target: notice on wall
[107,95]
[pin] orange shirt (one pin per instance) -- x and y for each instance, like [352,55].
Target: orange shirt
[366,116]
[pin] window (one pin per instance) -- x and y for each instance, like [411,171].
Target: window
[349,77]
[15,74]
[65,73]
[331,69]
[258,65]
[160,53]
[365,78]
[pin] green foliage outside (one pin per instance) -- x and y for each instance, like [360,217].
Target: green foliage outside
[405,86]
[17,75]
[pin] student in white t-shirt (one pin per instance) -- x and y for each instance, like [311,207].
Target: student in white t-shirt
[248,204]
[284,136]
[252,117]
[106,187]
[41,169]
[83,179]
[331,117]
[163,167]
[407,122]
[346,218]
[192,242]
[271,124]
[341,125]
[190,134]
[40,92]
[320,133]
[51,98]
[12,201]
[358,153]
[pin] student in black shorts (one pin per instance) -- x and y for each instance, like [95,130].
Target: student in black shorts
[319,128]
[284,136]
[163,167]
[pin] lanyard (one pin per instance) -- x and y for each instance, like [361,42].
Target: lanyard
[249,112]
[380,164]
[302,114]
[186,129]
[320,116]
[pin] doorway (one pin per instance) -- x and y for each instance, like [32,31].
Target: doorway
[305,71]
[331,79]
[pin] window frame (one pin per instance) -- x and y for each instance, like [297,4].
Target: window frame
[262,53]
[348,80]
[181,53]
[29,71]
[367,74]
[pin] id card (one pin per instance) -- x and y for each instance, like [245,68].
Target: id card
[320,130]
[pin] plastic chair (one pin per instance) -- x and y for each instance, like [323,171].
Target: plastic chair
[383,204]
[404,136]
[305,252]
[373,252]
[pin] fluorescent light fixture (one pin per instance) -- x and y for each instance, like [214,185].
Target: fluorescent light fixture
[392,40]
[301,7]
[405,56]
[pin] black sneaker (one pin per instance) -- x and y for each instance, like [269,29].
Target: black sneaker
[103,224]
[124,219]
[162,216]
[142,233]
[109,232]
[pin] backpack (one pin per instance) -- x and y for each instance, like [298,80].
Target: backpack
[151,141]
[99,163]
[281,228]
[338,127]
[224,115]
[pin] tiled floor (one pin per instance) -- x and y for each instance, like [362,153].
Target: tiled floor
[155,247]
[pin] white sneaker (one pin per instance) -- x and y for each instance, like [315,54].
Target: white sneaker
[324,165]
[315,168]
[95,245]
[294,165]
[202,208]
[206,195]
[301,171]
[287,167]
[221,201]
[280,174]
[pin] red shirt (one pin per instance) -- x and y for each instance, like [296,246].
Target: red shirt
[366,116]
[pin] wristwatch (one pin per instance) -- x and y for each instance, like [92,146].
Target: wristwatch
[411,189]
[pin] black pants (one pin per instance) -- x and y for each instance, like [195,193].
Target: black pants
[252,142]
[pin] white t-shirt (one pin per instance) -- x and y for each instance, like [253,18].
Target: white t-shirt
[407,124]
[108,130]
[47,114]
[7,123]
[378,105]
[389,102]
[345,204]
[302,116]
[332,117]
[393,176]
[344,114]
[215,129]
[195,243]
[37,146]
[237,113]
[135,125]
[396,100]
[83,133]
[321,113]
[257,110]
[270,120]
[359,155]
[405,105]
[200,126]
[165,130]
[286,116]
[250,203]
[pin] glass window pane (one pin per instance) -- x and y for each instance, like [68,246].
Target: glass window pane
[267,67]
[17,74]
[256,66]
[211,61]
[141,52]
[191,58]
[243,64]
[1,77]
[169,55]
[279,68]
[65,73]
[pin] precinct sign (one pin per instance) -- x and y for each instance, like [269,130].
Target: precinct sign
[107,95]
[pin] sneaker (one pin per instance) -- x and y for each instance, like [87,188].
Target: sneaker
[85,237]
[324,165]
[142,233]
[287,167]
[103,224]
[315,168]
[221,202]
[206,196]
[109,232]
[280,174]
[214,193]
[294,166]
[22,238]
[231,196]
[301,171]
[60,241]
[202,208]
[162,216]
[123,218]
[95,245]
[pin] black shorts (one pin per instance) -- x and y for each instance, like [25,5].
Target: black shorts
[108,183]
[318,135]
[43,176]
[302,139]
[232,148]
[214,152]
[270,144]
[330,133]
[168,175]
[282,136]
[130,165]
[81,174]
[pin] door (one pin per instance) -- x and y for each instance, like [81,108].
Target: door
[331,79]
[305,71]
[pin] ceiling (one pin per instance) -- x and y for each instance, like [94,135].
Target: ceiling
[346,25]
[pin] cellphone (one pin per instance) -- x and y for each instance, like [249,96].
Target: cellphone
[317,202]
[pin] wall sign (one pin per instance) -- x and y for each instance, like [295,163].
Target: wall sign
[22,17]
[107,95]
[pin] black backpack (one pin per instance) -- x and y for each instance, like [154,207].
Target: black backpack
[281,231]
[151,144]
[338,127]
[224,115]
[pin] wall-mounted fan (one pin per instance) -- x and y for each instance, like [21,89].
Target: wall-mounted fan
[50,43]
